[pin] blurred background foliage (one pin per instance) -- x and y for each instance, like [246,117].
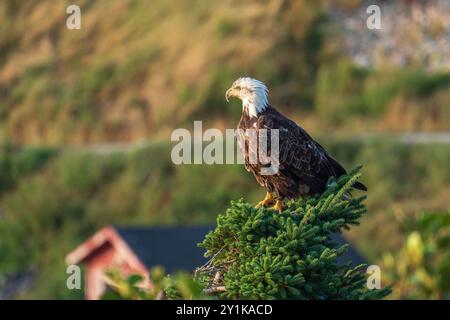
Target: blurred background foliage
[74,103]
[421,269]
[181,285]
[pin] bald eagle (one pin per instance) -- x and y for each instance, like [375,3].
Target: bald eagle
[304,165]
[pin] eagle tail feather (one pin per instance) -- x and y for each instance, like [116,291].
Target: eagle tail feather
[339,171]
[358,185]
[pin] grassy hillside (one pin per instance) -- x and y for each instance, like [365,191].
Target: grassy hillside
[138,69]
[134,63]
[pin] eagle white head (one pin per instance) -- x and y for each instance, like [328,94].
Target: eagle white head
[253,94]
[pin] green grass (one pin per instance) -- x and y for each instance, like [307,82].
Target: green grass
[16,164]
[345,91]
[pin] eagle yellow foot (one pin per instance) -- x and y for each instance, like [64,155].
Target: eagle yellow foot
[278,206]
[268,200]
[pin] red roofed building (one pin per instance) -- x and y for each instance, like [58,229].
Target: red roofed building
[134,250]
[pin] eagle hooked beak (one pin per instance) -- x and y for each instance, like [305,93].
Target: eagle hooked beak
[230,93]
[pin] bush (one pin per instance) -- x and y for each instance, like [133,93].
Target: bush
[421,269]
[133,287]
[344,91]
[16,164]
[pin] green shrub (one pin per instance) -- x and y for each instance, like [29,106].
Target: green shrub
[225,28]
[180,286]
[209,102]
[421,269]
[343,89]
[16,164]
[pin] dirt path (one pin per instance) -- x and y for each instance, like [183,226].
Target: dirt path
[406,138]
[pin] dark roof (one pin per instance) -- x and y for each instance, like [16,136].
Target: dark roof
[351,255]
[176,248]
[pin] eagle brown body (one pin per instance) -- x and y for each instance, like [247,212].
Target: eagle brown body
[304,166]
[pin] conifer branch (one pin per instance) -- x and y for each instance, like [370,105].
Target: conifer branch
[263,254]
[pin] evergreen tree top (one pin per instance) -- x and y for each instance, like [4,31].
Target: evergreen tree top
[263,254]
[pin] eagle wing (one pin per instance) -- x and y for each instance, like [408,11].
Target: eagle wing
[248,149]
[299,154]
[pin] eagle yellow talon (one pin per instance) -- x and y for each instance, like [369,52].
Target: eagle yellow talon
[278,206]
[268,200]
